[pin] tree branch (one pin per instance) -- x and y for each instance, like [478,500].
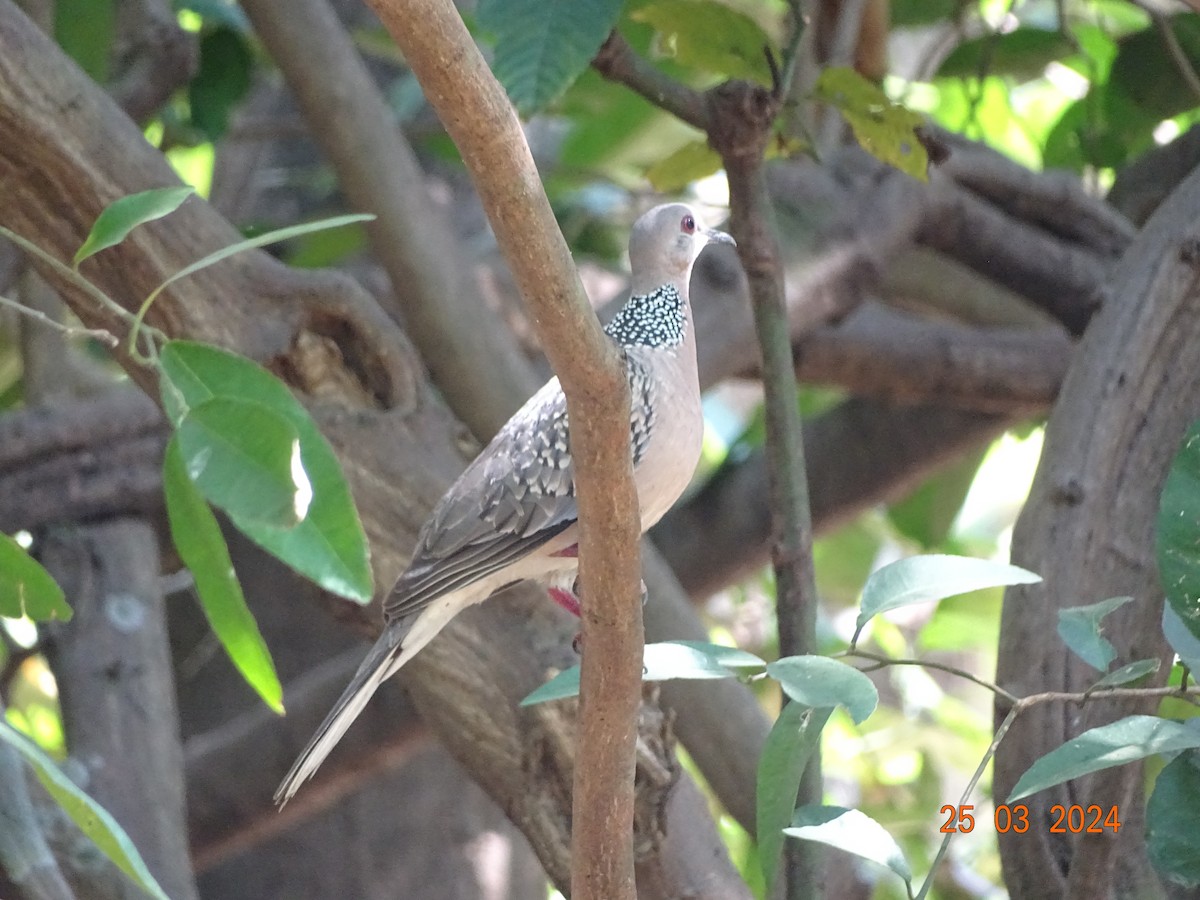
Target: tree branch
[480,369]
[484,126]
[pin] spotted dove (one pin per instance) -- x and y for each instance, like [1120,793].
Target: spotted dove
[512,515]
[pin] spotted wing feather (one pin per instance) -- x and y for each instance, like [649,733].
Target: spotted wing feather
[517,495]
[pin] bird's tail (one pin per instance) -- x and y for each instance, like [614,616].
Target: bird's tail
[398,644]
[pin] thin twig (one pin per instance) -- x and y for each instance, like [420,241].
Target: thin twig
[882,662]
[100,334]
[617,61]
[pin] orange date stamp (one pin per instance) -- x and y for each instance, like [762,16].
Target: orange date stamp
[1073,819]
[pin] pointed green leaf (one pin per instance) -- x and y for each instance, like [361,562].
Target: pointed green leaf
[785,755]
[202,548]
[852,831]
[224,78]
[245,458]
[541,48]
[329,546]
[1124,741]
[26,589]
[1182,641]
[1079,628]
[92,819]
[885,129]
[710,37]
[819,681]
[689,163]
[1127,673]
[122,216]
[1178,538]
[920,579]
[661,662]
[1172,838]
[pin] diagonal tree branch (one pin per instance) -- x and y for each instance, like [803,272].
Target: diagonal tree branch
[478,367]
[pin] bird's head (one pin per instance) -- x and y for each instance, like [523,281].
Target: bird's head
[664,243]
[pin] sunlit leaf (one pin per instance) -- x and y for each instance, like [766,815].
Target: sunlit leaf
[26,589]
[122,216]
[1125,741]
[201,546]
[920,579]
[329,545]
[785,755]
[1172,839]
[885,129]
[243,456]
[818,681]
[852,831]
[542,47]
[709,37]
[1080,629]
[92,819]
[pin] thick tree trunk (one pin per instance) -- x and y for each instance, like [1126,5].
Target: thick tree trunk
[1088,529]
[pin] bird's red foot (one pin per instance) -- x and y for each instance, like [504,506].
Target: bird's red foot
[565,599]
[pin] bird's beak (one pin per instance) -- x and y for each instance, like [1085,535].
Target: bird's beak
[718,237]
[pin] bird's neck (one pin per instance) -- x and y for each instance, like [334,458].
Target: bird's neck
[657,318]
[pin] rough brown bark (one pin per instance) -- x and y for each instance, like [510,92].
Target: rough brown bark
[1088,529]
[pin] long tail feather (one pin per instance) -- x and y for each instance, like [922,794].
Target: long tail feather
[398,644]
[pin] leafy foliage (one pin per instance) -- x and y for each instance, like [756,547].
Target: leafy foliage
[885,129]
[542,47]
[92,819]
[122,216]
[1171,835]
[26,589]
[201,546]
[1079,628]
[328,545]
[710,37]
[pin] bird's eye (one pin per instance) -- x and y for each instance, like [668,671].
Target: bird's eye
[688,225]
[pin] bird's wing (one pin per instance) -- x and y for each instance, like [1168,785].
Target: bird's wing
[517,495]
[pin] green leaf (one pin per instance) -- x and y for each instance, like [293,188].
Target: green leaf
[1022,54]
[542,47]
[852,831]
[1172,838]
[1079,628]
[202,548]
[1124,741]
[92,819]
[920,579]
[122,216]
[785,755]
[710,37]
[818,681]
[689,163]
[1182,641]
[1127,673]
[329,546]
[245,458]
[226,67]
[1178,539]
[1144,84]
[885,129]
[661,662]
[26,589]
